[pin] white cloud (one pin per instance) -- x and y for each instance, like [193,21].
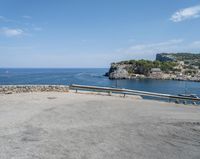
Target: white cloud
[4,19]
[26,17]
[148,50]
[16,32]
[37,29]
[186,13]
[11,32]
[11,48]
[195,44]
[152,47]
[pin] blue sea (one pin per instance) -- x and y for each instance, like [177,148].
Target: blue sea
[93,77]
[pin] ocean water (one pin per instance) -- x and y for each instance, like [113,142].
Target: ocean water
[93,77]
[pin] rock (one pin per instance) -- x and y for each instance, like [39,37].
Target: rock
[106,74]
[8,92]
[118,72]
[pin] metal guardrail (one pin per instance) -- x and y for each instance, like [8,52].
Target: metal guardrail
[131,92]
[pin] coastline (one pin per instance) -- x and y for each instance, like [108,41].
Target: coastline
[179,66]
[145,77]
[95,90]
[96,78]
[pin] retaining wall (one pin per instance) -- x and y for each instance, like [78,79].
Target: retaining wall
[9,89]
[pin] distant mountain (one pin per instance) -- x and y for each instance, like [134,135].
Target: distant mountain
[177,57]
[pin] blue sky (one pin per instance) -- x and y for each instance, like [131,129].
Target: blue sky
[94,33]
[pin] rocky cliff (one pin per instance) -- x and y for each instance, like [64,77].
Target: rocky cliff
[181,66]
[163,57]
[118,72]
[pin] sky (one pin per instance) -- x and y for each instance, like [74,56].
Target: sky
[94,33]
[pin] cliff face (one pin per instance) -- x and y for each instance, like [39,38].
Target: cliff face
[118,72]
[126,71]
[163,57]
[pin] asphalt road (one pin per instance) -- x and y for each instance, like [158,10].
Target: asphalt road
[80,126]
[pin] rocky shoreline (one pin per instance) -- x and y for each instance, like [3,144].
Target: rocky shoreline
[141,77]
[121,74]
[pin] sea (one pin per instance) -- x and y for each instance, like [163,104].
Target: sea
[94,77]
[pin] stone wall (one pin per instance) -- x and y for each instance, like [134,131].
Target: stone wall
[9,89]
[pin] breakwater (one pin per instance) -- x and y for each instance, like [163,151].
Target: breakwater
[9,89]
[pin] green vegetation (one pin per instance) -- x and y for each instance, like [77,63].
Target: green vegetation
[144,66]
[181,66]
[186,63]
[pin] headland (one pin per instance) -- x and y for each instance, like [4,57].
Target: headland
[168,66]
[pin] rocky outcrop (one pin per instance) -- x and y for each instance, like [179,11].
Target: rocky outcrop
[9,89]
[118,72]
[178,66]
[126,71]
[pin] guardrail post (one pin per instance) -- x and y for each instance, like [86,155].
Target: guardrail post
[124,95]
[194,103]
[177,101]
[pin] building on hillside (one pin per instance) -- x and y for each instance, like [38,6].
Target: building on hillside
[156,73]
[155,70]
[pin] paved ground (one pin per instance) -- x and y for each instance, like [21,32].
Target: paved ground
[79,126]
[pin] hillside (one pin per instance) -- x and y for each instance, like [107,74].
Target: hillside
[180,66]
[186,57]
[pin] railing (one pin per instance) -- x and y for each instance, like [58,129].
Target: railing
[132,92]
